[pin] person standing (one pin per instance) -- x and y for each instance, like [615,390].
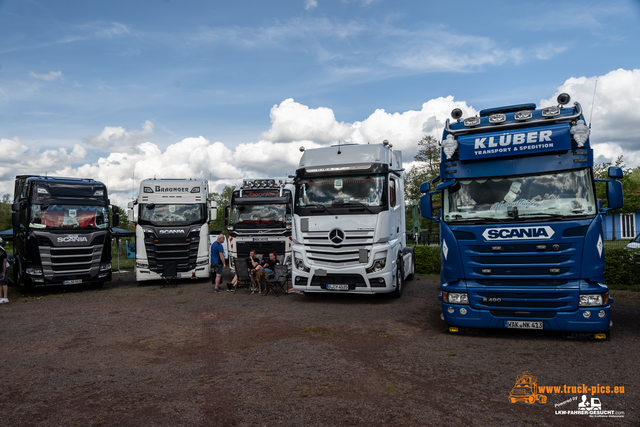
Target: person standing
[218,262]
[4,273]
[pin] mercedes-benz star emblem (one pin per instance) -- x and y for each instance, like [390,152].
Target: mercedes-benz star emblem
[336,236]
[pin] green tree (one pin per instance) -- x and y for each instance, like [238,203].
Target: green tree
[5,212]
[221,200]
[426,168]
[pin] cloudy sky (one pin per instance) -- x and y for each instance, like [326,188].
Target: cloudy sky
[124,90]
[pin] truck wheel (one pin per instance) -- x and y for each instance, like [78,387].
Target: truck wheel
[399,279]
[542,399]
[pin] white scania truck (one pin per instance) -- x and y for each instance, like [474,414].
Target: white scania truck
[172,228]
[349,221]
[259,219]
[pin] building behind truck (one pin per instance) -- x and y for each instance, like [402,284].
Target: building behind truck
[521,234]
[349,221]
[259,218]
[172,228]
[61,231]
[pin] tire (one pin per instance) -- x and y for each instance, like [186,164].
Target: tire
[542,399]
[397,293]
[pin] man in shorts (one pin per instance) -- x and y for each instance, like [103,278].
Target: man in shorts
[218,262]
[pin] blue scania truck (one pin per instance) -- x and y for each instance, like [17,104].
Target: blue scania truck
[520,226]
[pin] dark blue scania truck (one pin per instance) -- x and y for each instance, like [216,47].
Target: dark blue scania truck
[520,226]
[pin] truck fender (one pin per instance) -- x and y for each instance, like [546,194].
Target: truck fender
[411,270]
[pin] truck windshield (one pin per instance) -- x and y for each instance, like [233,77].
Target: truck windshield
[252,216]
[357,190]
[184,214]
[69,216]
[548,195]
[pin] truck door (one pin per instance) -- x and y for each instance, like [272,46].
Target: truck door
[393,207]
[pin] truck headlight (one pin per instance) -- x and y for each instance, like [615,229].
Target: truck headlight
[594,300]
[34,271]
[142,264]
[299,262]
[455,298]
[106,266]
[203,262]
[379,263]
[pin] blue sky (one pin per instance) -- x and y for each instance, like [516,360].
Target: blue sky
[115,88]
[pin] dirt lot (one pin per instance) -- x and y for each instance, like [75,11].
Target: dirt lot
[147,356]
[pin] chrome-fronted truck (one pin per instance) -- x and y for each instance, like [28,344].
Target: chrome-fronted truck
[521,235]
[259,218]
[349,221]
[172,227]
[61,232]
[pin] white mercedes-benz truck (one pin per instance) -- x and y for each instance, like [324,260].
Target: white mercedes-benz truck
[172,227]
[349,221]
[259,219]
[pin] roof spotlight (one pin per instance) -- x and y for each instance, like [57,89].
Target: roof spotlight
[564,98]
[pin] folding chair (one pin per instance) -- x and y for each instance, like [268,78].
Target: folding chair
[170,273]
[278,280]
[243,274]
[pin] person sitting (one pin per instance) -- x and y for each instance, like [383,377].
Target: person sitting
[256,270]
[269,265]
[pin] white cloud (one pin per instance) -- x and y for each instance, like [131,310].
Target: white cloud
[616,112]
[310,4]
[118,137]
[53,75]
[291,121]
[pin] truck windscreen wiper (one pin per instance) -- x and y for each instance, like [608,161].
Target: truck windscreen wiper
[317,206]
[546,215]
[347,204]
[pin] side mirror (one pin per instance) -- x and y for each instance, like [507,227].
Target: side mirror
[225,216]
[425,206]
[615,199]
[130,215]
[15,207]
[15,219]
[213,213]
[615,172]
[130,204]
[116,216]
[425,187]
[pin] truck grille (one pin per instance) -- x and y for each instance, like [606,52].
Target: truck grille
[77,261]
[534,301]
[322,251]
[182,251]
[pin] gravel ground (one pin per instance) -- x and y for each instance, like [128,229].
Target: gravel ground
[147,356]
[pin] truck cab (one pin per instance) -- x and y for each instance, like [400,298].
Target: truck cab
[349,233]
[520,227]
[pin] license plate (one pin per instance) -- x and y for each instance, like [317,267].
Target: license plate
[517,324]
[260,239]
[72,282]
[337,287]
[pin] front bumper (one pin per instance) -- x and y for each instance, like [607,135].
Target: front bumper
[566,321]
[201,272]
[355,277]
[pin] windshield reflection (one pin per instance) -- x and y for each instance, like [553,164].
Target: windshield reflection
[562,194]
[360,190]
[69,216]
[187,213]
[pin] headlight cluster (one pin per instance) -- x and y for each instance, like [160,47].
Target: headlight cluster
[142,265]
[299,262]
[34,271]
[379,263]
[594,300]
[203,262]
[105,266]
[455,298]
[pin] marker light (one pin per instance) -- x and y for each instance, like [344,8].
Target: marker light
[523,115]
[449,146]
[580,132]
[497,118]
[472,121]
[550,112]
